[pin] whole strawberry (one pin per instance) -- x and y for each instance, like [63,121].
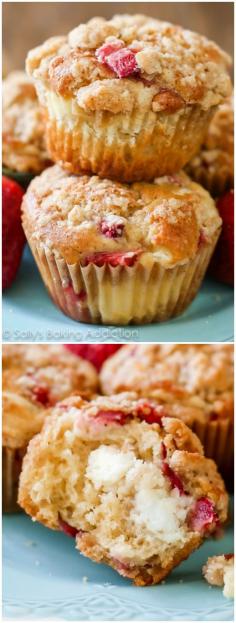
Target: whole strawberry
[222,262]
[13,237]
[95,353]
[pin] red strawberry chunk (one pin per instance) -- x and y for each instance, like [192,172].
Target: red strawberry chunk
[114,259]
[95,353]
[163,451]
[72,296]
[13,237]
[222,262]
[202,516]
[41,395]
[113,230]
[175,481]
[150,413]
[108,48]
[115,417]
[228,556]
[66,528]
[123,63]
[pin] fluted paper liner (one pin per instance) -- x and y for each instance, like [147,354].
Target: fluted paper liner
[125,147]
[121,295]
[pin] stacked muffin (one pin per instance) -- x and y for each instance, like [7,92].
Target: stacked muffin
[119,233]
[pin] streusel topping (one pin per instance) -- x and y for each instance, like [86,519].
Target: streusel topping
[23,146]
[217,152]
[35,377]
[80,216]
[191,380]
[180,66]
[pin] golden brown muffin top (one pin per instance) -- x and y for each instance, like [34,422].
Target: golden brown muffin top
[192,381]
[23,147]
[34,378]
[217,153]
[179,66]
[80,216]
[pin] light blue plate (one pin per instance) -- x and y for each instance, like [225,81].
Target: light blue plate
[30,316]
[44,577]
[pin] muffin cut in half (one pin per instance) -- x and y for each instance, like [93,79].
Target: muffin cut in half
[213,166]
[131,485]
[24,151]
[129,98]
[115,253]
[34,378]
[219,571]
[193,382]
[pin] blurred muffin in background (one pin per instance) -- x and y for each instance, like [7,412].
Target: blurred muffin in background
[213,166]
[23,147]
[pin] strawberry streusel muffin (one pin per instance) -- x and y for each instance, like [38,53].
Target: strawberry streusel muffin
[34,378]
[219,571]
[213,166]
[115,253]
[23,148]
[130,485]
[129,98]
[193,382]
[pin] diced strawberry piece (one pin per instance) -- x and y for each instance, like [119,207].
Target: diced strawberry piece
[108,48]
[95,353]
[123,62]
[108,417]
[66,528]
[228,556]
[113,230]
[13,237]
[41,394]
[222,263]
[163,451]
[202,516]
[175,481]
[114,259]
[150,413]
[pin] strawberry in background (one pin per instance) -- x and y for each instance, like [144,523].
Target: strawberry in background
[13,237]
[222,263]
[95,353]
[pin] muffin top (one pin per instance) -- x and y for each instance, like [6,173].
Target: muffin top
[34,378]
[216,156]
[132,61]
[23,147]
[132,487]
[190,380]
[95,220]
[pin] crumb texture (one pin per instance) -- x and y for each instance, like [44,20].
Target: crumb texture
[219,571]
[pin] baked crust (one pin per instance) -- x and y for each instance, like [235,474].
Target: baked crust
[23,146]
[29,370]
[190,69]
[65,480]
[213,166]
[193,381]
[77,216]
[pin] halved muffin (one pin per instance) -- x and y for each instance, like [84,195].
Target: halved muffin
[129,484]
